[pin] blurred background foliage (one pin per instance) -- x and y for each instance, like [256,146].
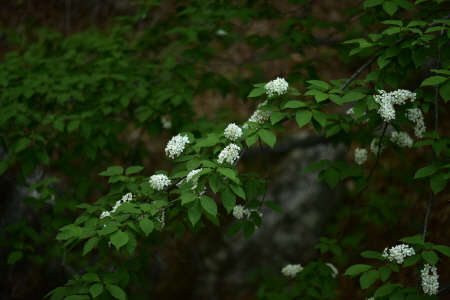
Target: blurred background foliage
[89,84]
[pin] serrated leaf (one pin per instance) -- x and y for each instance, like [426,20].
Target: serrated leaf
[268,136]
[90,277]
[73,125]
[116,291]
[430,257]
[227,172]
[426,171]
[443,249]
[237,189]
[405,4]
[146,225]
[215,182]
[109,228]
[228,200]
[385,273]
[294,104]
[90,244]
[234,228]
[372,254]
[433,80]
[119,238]
[371,3]
[276,116]
[249,229]
[194,212]
[257,92]
[413,240]
[331,177]
[133,170]
[368,278]
[313,167]
[320,117]
[116,170]
[96,290]
[357,269]
[209,205]
[303,117]
[319,83]
[444,91]
[22,143]
[390,7]
[438,183]
[411,260]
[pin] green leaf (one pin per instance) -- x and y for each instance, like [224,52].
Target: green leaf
[228,200]
[14,256]
[146,225]
[444,91]
[385,290]
[132,243]
[438,183]
[90,277]
[433,80]
[133,170]
[109,228]
[357,269]
[417,239]
[268,136]
[430,257]
[419,56]
[382,61]
[443,249]
[390,7]
[368,278]
[119,238]
[411,260]
[249,229]
[227,172]
[251,139]
[116,291]
[325,86]
[276,117]
[237,189]
[303,117]
[96,290]
[372,254]
[405,4]
[313,167]
[331,177]
[426,171]
[273,206]
[234,228]
[3,166]
[90,244]
[116,170]
[209,205]
[22,143]
[188,196]
[352,96]
[215,182]
[294,104]
[73,125]
[194,212]
[257,92]
[320,117]
[371,3]
[385,273]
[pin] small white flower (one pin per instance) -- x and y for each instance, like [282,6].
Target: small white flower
[374,146]
[176,145]
[259,116]
[159,182]
[388,100]
[105,214]
[191,176]
[360,156]
[402,139]
[333,269]
[239,211]
[221,32]
[430,282]
[278,86]
[233,132]
[292,270]
[166,123]
[229,154]
[161,218]
[398,253]
[415,115]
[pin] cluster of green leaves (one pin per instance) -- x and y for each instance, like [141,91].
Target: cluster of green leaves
[425,252]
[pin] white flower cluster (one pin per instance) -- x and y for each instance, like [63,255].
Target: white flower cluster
[333,269]
[402,139]
[233,132]
[291,270]
[125,199]
[387,101]
[278,86]
[360,156]
[374,145]
[191,176]
[430,282]
[239,211]
[398,253]
[160,218]
[259,116]
[159,182]
[176,145]
[229,154]
[416,116]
